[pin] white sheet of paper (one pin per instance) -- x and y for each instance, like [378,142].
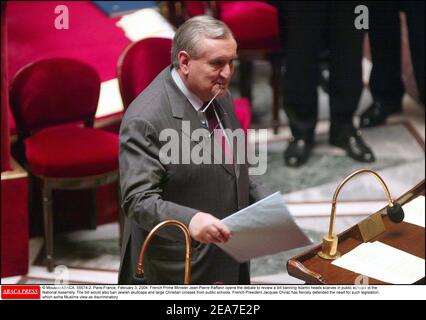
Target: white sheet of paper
[415,211]
[109,99]
[383,262]
[265,227]
[145,23]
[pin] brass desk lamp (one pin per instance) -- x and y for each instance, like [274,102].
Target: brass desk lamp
[330,241]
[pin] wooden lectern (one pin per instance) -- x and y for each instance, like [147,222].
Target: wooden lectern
[410,238]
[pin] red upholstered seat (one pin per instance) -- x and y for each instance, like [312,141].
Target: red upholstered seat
[243,112]
[139,64]
[195,8]
[49,99]
[45,96]
[70,152]
[254,24]
[54,91]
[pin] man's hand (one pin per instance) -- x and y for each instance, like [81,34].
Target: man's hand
[206,228]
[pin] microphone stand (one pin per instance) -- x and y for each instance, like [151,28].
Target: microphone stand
[330,240]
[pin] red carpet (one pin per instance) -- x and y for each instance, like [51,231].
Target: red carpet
[92,36]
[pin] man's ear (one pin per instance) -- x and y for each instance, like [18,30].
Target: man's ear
[184,60]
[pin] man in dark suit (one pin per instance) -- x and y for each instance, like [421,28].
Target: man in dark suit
[307,28]
[386,84]
[198,195]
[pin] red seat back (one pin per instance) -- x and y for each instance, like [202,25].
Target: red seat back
[139,64]
[195,8]
[255,24]
[54,92]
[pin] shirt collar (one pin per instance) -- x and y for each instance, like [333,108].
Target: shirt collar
[196,102]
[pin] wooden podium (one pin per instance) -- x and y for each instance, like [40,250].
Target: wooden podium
[404,236]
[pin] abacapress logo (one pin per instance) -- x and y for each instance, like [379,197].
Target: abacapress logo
[20,292]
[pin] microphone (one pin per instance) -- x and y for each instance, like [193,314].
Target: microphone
[201,112]
[211,100]
[330,240]
[395,213]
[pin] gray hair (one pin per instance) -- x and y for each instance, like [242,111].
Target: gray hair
[189,35]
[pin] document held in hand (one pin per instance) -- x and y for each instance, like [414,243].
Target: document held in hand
[265,227]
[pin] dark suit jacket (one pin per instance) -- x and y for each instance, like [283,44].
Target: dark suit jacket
[153,192]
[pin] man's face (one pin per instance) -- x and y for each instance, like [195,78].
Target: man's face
[211,71]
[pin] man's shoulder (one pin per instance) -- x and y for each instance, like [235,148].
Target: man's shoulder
[152,103]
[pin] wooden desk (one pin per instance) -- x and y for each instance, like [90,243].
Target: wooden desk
[404,236]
